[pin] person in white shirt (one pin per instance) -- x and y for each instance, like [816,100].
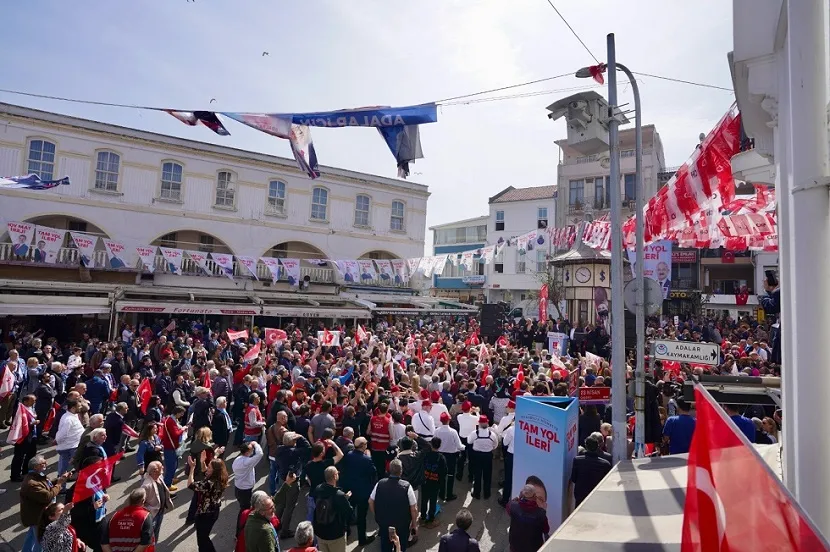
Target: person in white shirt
[244,473]
[398,429]
[438,408]
[450,447]
[68,437]
[508,442]
[422,421]
[483,441]
[467,421]
[507,420]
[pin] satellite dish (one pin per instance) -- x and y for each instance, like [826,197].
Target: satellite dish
[605,162]
[653,296]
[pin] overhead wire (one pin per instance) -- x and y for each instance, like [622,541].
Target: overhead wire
[682,81]
[565,21]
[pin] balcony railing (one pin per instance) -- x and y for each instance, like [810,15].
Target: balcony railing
[575,207]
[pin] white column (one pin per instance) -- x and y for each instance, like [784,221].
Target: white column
[805,267]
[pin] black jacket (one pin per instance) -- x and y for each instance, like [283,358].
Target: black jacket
[342,512]
[358,474]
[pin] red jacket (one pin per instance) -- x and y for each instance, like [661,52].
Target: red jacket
[172,435]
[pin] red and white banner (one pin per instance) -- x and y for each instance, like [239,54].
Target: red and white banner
[174,259]
[117,254]
[86,247]
[252,353]
[241,334]
[292,271]
[200,259]
[273,267]
[21,234]
[274,336]
[96,477]
[147,254]
[249,263]
[225,262]
[48,243]
[543,303]
[329,338]
[22,424]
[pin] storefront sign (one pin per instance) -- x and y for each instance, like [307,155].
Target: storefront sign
[683,257]
[477,279]
[594,395]
[182,309]
[686,351]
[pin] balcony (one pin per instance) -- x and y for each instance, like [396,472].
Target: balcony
[575,207]
[600,204]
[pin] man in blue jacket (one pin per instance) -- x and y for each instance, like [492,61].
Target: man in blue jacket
[359,477]
[97,392]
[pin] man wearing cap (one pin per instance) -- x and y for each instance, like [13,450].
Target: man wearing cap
[507,441]
[450,447]
[467,421]
[438,408]
[483,442]
[422,421]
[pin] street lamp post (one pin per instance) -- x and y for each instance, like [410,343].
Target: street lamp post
[618,366]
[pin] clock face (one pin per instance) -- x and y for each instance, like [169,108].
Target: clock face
[583,275]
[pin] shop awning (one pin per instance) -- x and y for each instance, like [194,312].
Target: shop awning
[49,308]
[301,311]
[433,311]
[229,309]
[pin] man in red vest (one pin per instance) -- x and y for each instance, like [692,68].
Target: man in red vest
[131,528]
[380,430]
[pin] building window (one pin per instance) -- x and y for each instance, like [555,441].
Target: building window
[361,210]
[542,217]
[225,193]
[171,181]
[276,198]
[74,226]
[42,159]
[599,193]
[498,262]
[630,188]
[169,240]
[576,193]
[280,251]
[207,244]
[499,221]
[583,311]
[319,204]
[520,263]
[541,261]
[106,171]
[397,220]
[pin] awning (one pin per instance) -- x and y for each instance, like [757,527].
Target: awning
[229,309]
[402,311]
[303,311]
[49,308]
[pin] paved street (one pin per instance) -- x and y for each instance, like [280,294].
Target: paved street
[490,521]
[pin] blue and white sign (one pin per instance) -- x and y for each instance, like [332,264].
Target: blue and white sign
[545,446]
[366,116]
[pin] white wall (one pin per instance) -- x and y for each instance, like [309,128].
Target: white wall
[135,214]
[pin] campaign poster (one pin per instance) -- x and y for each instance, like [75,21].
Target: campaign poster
[48,243]
[557,344]
[174,258]
[147,254]
[385,271]
[413,265]
[544,449]
[438,266]
[225,262]
[400,268]
[117,255]
[467,260]
[21,234]
[249,263]
[656,264]
[292,271]
[273,265]
[367,270]
[348,270]
[200,259]
[85,243]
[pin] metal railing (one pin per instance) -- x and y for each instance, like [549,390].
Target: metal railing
[575,207]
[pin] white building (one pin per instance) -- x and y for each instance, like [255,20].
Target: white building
[511,277]
[456,281]
[583,180]
[142,188]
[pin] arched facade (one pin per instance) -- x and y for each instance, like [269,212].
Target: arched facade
[65,222]
[379,254]
[295,250]
[193,240]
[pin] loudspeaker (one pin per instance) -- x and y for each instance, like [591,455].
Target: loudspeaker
[491,318]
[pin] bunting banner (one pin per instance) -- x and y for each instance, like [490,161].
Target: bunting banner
[147,254]
[31,182]
[48,243]
[467,260]
[488,253]
[399,267]
[385,270]
[292,271]
[21,234]
[273,265]
[366,116]
[424,266]
[207,118]
[367,270]
[85,243]
[440,264]
[249,263]
[413,265]
[201,260]
[117,254]
[317,262]
[225,262]
[174,259]
[348,270]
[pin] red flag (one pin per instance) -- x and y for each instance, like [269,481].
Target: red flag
[144,392]
[484,374]
[50,418]
[361,334]
[6,383]
[274,335]
[734,502]
[252,353]
[208,384]
[233,336]
[328,337]
[543,302]
[520,377]
[96,477]
[742,297]
[502,341]
[240,375]
[419,354]
[596,72]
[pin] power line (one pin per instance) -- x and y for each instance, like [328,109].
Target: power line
[670,79]
[565,21]
[508,87]
[522,95]
[88,102]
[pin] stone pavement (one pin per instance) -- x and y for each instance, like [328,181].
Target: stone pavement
[489,526]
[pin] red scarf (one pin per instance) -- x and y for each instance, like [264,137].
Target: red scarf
[74,538]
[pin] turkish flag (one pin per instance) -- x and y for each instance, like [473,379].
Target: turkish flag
[273,335]
[208,384]
[144,392]
[50,418]
[96,477]
[252,353]
[734,502]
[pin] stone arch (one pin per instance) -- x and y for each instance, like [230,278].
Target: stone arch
[293,249]
[194,240]
[62,221]
[379,254]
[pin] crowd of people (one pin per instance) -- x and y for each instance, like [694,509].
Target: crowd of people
[382,424]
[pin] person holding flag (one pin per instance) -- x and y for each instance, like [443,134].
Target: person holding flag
[36,492]
[23,435]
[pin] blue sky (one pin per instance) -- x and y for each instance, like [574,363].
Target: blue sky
[332,54]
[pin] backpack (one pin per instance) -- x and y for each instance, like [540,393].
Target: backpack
[324,511]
